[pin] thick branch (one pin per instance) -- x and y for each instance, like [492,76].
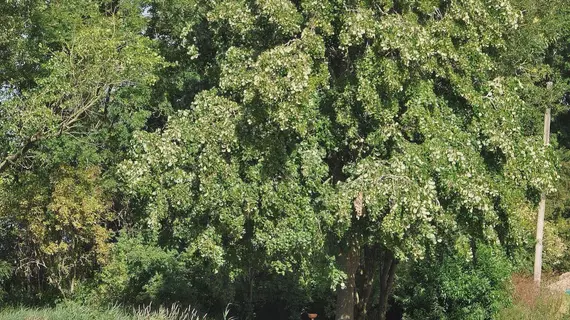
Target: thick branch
[65,126]
[11,158]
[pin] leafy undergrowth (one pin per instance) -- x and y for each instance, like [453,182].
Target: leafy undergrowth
[74,311]
[531,303]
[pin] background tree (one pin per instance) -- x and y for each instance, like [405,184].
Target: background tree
[74,87]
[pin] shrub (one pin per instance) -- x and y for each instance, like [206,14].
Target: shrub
[140,273]
[455,287]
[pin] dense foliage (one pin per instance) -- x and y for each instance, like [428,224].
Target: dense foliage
[348,157]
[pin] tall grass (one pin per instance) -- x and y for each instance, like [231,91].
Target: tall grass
[74,311]
[532,303]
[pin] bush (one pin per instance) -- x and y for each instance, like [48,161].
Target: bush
[455,287]
[141,272]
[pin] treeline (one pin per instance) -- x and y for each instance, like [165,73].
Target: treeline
[357,159]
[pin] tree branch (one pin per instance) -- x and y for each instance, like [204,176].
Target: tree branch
[11,158]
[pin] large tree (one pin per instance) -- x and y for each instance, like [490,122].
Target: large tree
[364,132]
[75,79]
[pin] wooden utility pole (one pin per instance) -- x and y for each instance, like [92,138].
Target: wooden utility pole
[542,205]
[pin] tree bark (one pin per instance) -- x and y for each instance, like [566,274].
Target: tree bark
[349,262]
[387,273]
[473,243]
[365,281]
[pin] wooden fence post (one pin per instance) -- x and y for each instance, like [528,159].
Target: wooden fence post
[542,205]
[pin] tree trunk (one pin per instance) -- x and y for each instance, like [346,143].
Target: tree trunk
[365,280]
[346,296]
[473,243]
[387,273]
